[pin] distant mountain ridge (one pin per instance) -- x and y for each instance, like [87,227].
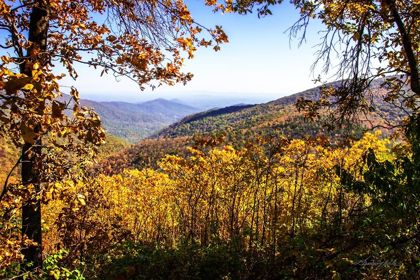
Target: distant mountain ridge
[134,122]
[200,99]
[213,113]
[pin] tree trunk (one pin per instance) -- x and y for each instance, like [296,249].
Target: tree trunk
[31,212]
[31,208]
[408,48]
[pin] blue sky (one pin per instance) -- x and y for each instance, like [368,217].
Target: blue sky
[258,60]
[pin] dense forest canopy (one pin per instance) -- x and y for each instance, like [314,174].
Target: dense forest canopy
[272,208]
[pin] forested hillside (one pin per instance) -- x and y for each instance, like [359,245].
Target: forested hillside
[134,122]
[144,154]
[240,124]
[271,209]
[251,191]
[280,117]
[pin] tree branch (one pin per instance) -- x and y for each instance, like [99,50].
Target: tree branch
[7,178]
[22,6]
[407,45]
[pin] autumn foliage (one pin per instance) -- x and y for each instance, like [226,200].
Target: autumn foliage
[268,208]
[274,208]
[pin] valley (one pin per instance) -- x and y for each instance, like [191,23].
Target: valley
[240,124]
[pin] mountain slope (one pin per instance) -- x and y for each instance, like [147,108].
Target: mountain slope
[134,122]
[237,125]
[278,117]
[235,118]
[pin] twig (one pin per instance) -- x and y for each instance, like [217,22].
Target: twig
[7,178]
[18,276]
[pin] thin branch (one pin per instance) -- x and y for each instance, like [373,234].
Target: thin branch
[20,276]
[7,178]
[5,47]
[22,6]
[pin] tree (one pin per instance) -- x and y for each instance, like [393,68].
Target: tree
[142,40]
[372,39]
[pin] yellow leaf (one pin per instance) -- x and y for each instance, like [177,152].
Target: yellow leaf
[28,134]
[28,87]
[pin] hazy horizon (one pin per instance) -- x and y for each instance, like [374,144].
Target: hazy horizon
[183,96]
[260,61]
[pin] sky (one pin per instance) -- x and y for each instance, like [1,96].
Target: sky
[259,60]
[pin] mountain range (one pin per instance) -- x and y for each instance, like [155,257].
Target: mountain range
[161,127]
[239,124]
[134,122]
[202,100]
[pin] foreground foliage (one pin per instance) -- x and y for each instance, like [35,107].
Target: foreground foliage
[273,209]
